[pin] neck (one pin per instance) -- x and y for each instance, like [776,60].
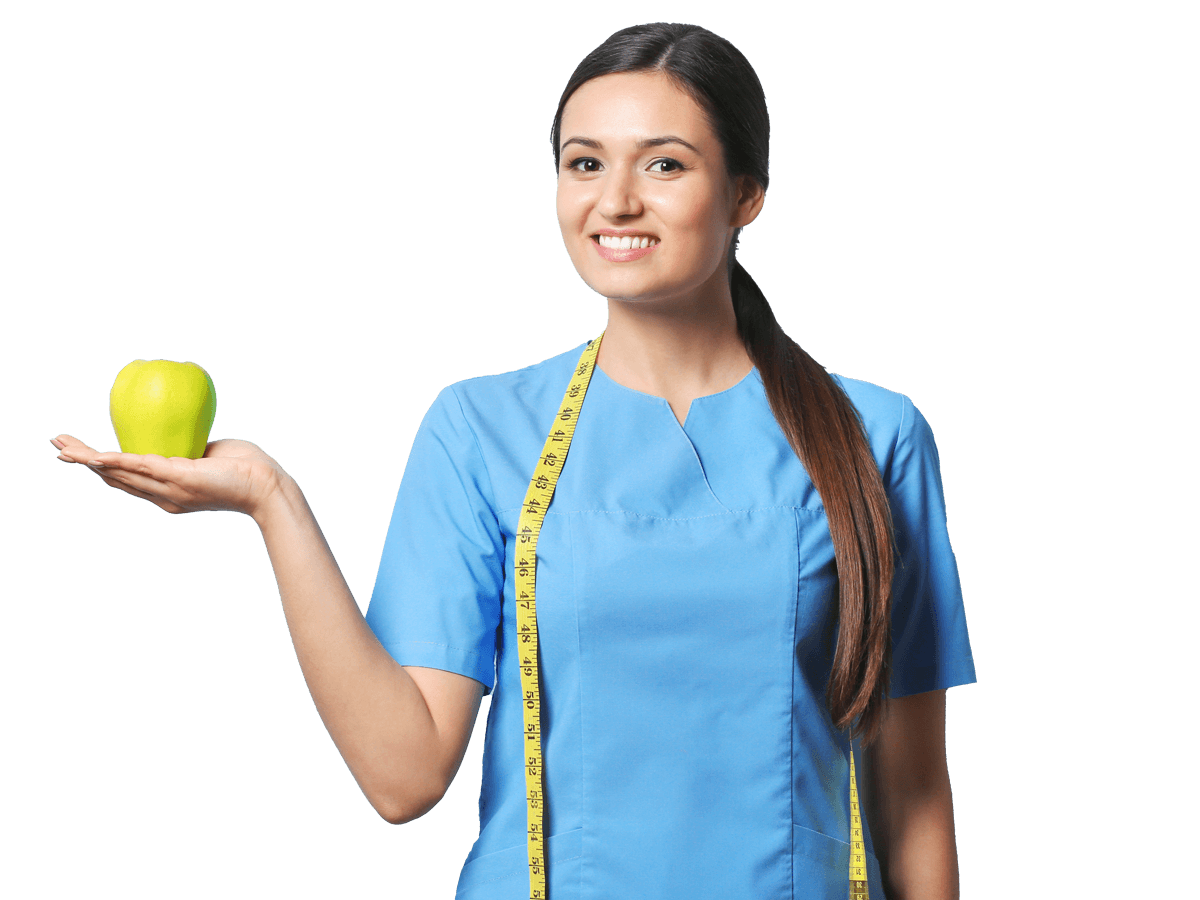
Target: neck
[677,351]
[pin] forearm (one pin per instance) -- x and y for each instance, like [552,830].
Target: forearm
[916,846]
[372,708]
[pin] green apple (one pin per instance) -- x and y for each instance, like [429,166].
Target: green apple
[164,407]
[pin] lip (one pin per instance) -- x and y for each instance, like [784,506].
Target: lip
[621,232]
[630,255]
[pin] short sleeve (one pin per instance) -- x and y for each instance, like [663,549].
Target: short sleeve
[931,649]
[437,597]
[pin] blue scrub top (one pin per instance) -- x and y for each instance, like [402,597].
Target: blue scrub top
[687,611]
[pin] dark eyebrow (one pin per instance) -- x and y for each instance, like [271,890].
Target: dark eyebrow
[641,145]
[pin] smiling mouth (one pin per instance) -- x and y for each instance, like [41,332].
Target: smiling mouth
[624,242]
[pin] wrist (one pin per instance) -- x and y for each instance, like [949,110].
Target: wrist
[281,496]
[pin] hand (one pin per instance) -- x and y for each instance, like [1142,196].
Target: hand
[232,475]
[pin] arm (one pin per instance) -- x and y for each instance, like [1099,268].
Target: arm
[403,731]
[907,800]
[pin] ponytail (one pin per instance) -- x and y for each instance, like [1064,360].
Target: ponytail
[827,434]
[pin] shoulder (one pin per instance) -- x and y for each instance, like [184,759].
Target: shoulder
[506,417]
[530,374]
[893,423]
[884,413]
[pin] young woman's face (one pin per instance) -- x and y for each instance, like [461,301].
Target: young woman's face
[646,207]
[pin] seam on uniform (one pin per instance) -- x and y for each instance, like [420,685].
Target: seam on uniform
[483,456]
[792,718]
[583,780]
[519,874]
[815,510]
[435,643]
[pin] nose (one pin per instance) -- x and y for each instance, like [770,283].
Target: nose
[620,197]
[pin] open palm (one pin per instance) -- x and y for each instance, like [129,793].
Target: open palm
[232,475]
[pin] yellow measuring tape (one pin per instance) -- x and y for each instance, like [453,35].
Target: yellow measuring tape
[529,526]
[858,850]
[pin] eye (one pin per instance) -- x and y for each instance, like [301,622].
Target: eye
[666,166]
[574,163]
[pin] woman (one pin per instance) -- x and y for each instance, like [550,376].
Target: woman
[714,617]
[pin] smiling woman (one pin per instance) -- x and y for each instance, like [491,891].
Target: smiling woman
[651,233]
[747,606]
[640,91]
[718,597]
[617,184]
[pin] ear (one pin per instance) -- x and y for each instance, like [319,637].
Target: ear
[749,200]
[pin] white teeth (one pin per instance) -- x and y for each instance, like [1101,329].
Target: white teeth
[625,242]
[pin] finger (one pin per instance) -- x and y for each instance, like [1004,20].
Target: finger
[144,464]
[150,474]
[140,485]
[144,476]
[69,440]
[72,449]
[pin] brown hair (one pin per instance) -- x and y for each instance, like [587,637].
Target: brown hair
[813,411]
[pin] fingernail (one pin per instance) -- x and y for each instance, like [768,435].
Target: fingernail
[96,463]
[57,443]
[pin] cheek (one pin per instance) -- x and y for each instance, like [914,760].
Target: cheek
[696,213]
[568,223]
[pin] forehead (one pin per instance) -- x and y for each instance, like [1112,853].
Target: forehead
[634,105]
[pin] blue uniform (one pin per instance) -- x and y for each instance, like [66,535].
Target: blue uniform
[687,611]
